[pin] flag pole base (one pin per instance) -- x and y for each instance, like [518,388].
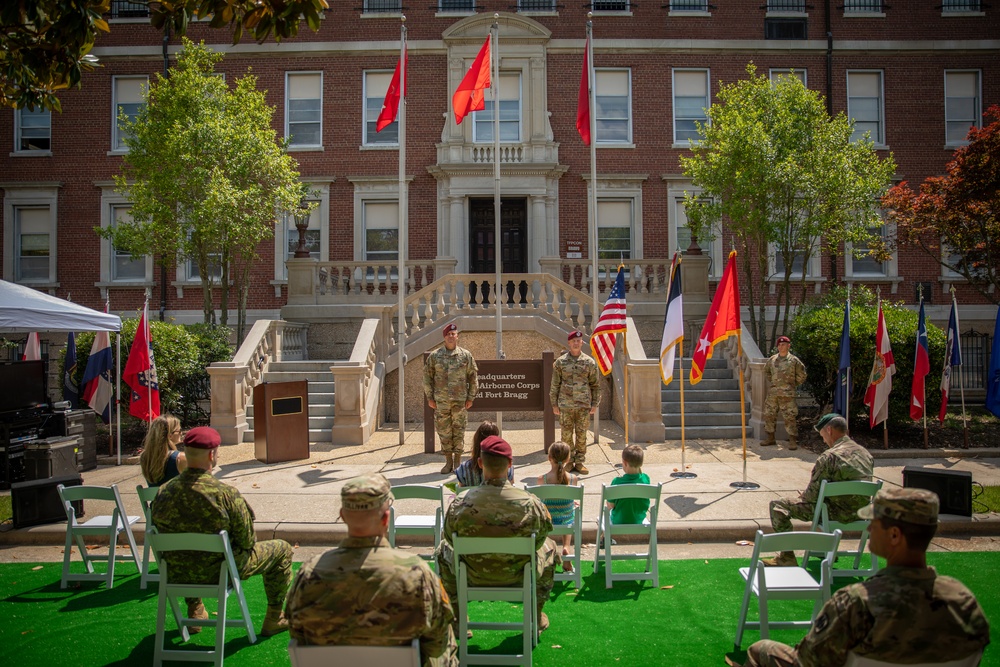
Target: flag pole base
[683,475]
[745,485]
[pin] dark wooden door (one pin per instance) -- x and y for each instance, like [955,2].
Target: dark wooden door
[482,238]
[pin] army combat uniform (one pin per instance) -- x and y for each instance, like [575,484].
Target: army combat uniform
[575,390]
[365,593]
[845,461]
[498,509]
[451,378]
[196,502]
[784,374]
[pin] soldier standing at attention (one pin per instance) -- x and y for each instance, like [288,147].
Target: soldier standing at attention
[196,502]
[365,593]
[845,461]
[451,382]
[904,614]
[575,394]
[784,371]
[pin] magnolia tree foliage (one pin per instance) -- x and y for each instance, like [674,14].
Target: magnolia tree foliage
[206,176]
[955,219]
[44,44]
[787,180]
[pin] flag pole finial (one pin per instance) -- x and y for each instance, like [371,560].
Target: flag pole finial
[402,18]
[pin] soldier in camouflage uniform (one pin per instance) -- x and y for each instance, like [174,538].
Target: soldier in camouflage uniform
[365,593]
[575,394]
[904,614]
[784,372]
[196,502]
[845,461]
[498,509]
[451,382]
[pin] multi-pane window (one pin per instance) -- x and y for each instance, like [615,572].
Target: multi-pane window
[32,235]
[376,85]
[689,5]
[33,130]
[612,102]
[862,262]
[961,6]
[123,266]
[382,6]
[962,104]
[786,5]
[129,98]
[381,225]
[510,113]
[776,74]
[858,6]
[614,229]
[456,5]
[610,5]
[312,235]
[864,105]
[536,5]
[690,103]
[304,109]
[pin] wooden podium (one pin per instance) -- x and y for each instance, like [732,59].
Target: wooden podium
[281,421]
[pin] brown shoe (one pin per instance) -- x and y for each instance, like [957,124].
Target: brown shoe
[449,466]
[543,622]
[768,441]
[582,469]
[783,559]
[196,610]
[793,442]
[274,622]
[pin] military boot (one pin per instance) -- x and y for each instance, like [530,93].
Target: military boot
[456,460]
[196,610]
[580,468]
[783,559]
[793,442]
[274,622]
[448,465]
[769,440]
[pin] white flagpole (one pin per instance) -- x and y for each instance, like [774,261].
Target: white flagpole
[118,395]
[499,291]
[592,223]
[961,384]
[149,376]
[402,243]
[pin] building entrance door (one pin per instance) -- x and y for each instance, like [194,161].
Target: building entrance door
[513,246]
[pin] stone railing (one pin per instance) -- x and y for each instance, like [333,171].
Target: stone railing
[751,360]
[233,381]
[645,279]
[357,388]
[642,375]
[483,154]
[311,282]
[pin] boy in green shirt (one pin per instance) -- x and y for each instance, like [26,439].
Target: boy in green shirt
[630,510]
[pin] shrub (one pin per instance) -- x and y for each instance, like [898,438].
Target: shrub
[816,333]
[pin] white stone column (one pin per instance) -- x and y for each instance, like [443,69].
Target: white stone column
[458,246]
[539,232]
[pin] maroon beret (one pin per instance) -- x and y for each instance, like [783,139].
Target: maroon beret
[497,446]
[203,437]
[576,333]
[448,328]
[784,339]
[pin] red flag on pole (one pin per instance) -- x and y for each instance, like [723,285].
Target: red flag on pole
[469,96]
[390,107]
[722,322]
[583,99]
[140,374]
[880,381]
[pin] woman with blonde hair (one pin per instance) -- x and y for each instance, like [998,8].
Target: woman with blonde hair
[160,461]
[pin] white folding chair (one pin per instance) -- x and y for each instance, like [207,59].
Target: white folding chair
[228,584]
[606,531]
[108,525]
[416,524]
[854,660]
[304,655]
[566,492]
[524,594]
[823,524]
[146,495]
[785,583]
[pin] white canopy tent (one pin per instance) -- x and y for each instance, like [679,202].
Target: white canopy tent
[23,309]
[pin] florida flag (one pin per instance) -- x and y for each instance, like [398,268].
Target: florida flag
[673,323]
[722,322]
[880,381]
[952,357]
[611,323]
[921,367]
[97,386]
[140,374]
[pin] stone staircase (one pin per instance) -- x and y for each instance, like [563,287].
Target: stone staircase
[317,373]
[711,407]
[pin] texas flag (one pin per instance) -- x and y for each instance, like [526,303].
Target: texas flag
[921,367]
[952,357]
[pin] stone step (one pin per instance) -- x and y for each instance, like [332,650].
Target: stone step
[315,435]
[705,385]
[705,432]
[722,373]
[699,419]
[299,366]
[695,404]
[317,377]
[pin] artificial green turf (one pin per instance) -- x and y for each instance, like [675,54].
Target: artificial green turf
[988,500]
[689,624]
[6,510]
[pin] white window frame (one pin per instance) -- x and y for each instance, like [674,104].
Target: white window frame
[890,267]
[977,114]
[533,7]
[689,8]
[111,200]
[288,125]
[370,189]
[962,8]
[813,271]
[471,8]
[686,143]
[484,118]
[677,218]
[118,146]
[864,8]
[370,202]
[30,196]
[947,275]
[800,73]
[620,187]
[607,71]
[19,127]
[379,8]
[319,193]
[370,92]
[880,140]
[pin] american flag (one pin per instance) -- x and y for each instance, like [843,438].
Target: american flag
[611,323]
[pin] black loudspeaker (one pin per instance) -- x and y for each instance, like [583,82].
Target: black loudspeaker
[38,502]
[953,487]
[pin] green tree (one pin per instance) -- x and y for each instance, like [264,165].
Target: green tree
[45,44]
[206,176]
[960,210]
[782,174]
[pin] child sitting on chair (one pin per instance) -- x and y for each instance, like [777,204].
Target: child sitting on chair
[562,511]
[630,510]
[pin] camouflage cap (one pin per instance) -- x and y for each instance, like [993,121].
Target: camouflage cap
[917,506]
[368,492]
[202,437]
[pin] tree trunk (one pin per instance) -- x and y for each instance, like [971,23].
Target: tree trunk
[208,312]
[224,295]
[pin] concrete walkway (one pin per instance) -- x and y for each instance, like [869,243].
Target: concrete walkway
[299,501]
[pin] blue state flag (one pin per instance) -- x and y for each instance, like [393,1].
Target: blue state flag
[71,392]
[842,392]
[993,379]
